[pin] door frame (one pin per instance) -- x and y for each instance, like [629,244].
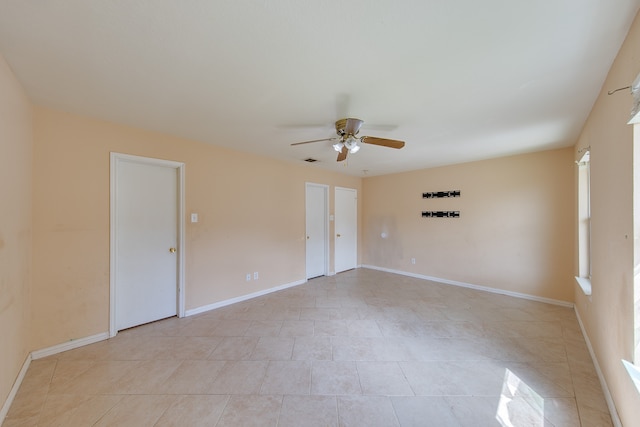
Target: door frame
[325,212]
[115,159]
[335,254]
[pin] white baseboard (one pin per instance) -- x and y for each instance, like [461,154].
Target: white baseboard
[14,390]
[472,286]
[607,394]
[69,345]
[39,354]
[241,298]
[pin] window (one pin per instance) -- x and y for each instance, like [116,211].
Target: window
[634,368]
[636,242]
[584,221]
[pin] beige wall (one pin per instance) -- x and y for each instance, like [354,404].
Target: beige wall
[16,143]
[515,230]
[608,314]
[251,218]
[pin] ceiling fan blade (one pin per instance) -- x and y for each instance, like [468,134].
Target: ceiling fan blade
[315,140]
[350,126]
[391,143]
[343,154]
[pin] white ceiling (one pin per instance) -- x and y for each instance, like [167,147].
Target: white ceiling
[460,80]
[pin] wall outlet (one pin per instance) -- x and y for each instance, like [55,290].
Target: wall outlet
[248,277]
[413,260]
[255,275]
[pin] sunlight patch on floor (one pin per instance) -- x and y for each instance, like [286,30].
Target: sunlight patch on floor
[519,404]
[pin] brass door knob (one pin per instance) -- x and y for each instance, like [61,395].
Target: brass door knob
[172,250]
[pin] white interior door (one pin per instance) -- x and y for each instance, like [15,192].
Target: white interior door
[146,221]
[317,229]
[346,227]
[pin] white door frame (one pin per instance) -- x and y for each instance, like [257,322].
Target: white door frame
[326,224]
[113,226]
[335,254]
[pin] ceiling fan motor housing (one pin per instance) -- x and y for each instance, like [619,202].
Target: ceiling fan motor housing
[347,129]
[348,126]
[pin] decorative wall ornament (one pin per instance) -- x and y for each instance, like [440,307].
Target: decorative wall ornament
[441,194]
[441,214]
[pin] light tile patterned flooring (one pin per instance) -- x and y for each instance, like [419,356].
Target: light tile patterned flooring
[362,348]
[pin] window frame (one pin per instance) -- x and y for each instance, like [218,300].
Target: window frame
[584,221]
[633,368]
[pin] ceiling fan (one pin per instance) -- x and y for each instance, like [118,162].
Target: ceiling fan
[347,141]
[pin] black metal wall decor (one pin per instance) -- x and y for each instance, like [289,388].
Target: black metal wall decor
[441,194]
[441,214]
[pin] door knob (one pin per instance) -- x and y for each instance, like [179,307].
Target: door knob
[172,250]
[307,237]
[337,235]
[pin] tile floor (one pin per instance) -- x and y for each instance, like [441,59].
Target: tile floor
[362,348]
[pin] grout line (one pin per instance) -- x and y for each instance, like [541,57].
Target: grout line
[280,410]
[341,339]
[613,412]
[14,389]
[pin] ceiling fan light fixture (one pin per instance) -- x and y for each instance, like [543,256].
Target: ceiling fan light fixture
[348,142]
[352,144]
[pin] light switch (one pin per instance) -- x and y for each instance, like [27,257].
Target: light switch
[194,217]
